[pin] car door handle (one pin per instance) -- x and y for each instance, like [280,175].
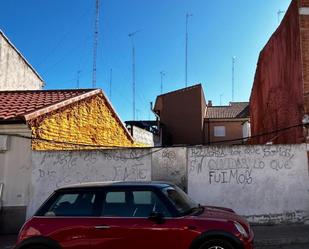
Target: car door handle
[102,227]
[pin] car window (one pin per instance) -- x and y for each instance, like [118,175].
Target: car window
[115,197]
[72,204]
[147,202]
[132,204]
[180,199]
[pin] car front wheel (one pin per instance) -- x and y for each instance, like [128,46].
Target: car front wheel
[217,244]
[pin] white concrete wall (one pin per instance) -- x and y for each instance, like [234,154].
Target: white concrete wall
[15,72]
[51,170]
[15,166]
[142,136]
[264,183]
[170,164]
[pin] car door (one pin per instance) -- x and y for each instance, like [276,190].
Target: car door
[68,219]
[125,224]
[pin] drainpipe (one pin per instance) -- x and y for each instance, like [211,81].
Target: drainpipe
[208,128]
[1,194]
[158,120]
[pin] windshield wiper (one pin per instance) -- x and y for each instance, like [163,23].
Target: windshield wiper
[194,209]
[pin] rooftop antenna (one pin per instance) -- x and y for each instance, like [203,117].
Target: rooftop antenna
[78,75]
[186,59]
[162,74]
[95,44]
[279,13]
[131,36]
[233,76]
[110,83]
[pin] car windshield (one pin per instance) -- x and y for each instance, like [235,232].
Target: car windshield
[180,199]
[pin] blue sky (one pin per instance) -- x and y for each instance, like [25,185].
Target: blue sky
[56,36]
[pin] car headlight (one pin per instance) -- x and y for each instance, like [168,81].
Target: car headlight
[241,229]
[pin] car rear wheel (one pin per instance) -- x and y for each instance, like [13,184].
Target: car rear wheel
[217,244]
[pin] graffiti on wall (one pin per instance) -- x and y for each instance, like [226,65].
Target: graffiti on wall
[52,170]
[237,164]
[255,181]
[170,164]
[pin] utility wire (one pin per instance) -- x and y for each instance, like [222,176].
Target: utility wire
[124,147]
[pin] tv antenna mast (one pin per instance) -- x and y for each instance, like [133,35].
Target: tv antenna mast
[186,59]
[131,36]
[95,44]
[162,74]
[279,13]
[233,76]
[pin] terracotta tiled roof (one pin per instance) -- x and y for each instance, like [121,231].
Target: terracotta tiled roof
[234,110]
[15,105]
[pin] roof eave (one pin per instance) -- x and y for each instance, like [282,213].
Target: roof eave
[60,104]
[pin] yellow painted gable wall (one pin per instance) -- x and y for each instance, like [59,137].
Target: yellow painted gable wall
[90,121]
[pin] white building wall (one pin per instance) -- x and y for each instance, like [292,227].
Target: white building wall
[15,166]
[15,173]
[15,72]
[267,184]
[143,136]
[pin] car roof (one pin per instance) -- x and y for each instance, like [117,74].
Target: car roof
[117,184]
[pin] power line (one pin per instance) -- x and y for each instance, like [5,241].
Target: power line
[124,147]
[60,41]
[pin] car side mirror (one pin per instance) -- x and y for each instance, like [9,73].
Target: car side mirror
[156,217]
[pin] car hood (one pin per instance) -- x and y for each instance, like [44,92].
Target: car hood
[221,213]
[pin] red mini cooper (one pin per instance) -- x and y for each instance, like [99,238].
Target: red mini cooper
[131,215]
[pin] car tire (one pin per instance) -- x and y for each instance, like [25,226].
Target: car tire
[217,244]
[37,247]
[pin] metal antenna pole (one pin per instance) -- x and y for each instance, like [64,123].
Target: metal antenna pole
[110,83]
[186,59]
[131,35]
[279,13]
[78,74]
[233,78]
[95,44]
[162,74]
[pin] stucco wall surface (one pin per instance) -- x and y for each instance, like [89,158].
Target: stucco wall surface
[277,95]
[233,130]
[170,164]
[264,183]
[15,73]
[267,184]
[51,170]
[90,121]
[142,136]
[15,166]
